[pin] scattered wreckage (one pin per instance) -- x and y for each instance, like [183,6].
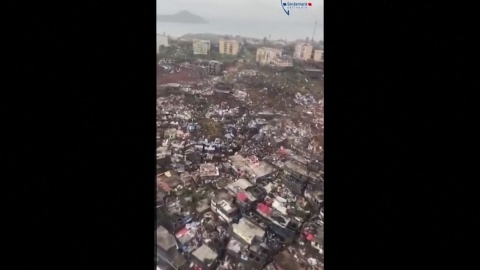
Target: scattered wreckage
[239,181]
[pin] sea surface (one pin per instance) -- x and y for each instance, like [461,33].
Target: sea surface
[289,31]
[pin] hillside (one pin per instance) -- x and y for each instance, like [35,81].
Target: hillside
[181,17]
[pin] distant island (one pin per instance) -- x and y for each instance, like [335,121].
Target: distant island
[181,17]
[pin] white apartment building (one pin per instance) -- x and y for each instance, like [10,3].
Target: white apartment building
[201,46]
[271,56]
[318,56]
[162,40]
[266,55]
[303,51]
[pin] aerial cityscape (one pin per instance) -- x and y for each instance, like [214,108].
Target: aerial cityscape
[240,139]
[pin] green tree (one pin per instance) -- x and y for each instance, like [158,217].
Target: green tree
[211,128]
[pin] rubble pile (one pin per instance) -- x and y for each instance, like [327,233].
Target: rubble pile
[239,178]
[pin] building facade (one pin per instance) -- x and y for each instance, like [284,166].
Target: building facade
[318,56]
[303,51]
[214,68]
[266,55]
[229,47]
[162,41]
[201,46]
[283,61]
[271,56]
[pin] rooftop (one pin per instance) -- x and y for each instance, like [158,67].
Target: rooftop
[221,195]
[236,159]
[234,245]
[252,166]
[299,159]
[273,214]
[247,230]
[203,205]
[262,169]
[168,180]
[230,40]
[184,236]
[226,206]
[239,185]
[295,167]
[205,254]
[164,239]
[247,196]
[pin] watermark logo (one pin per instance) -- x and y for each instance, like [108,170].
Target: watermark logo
[288,6]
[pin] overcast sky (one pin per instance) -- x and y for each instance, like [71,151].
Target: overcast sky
[252,10]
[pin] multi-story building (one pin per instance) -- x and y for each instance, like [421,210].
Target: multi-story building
[162,41]
[219,197]
[271,56]
[281,224]
[283,61]
[266,55]
[247,232]
[201,46]
[303,51]
[227,211]
[229,47]
[214,68]
[318,56]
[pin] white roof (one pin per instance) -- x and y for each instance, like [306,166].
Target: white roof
[204,253]
[282,209]
[225,205]
[239,184]
[247,230]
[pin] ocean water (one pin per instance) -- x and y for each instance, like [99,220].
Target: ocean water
[289,31]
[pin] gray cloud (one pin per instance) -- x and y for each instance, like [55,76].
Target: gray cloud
[251,10]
